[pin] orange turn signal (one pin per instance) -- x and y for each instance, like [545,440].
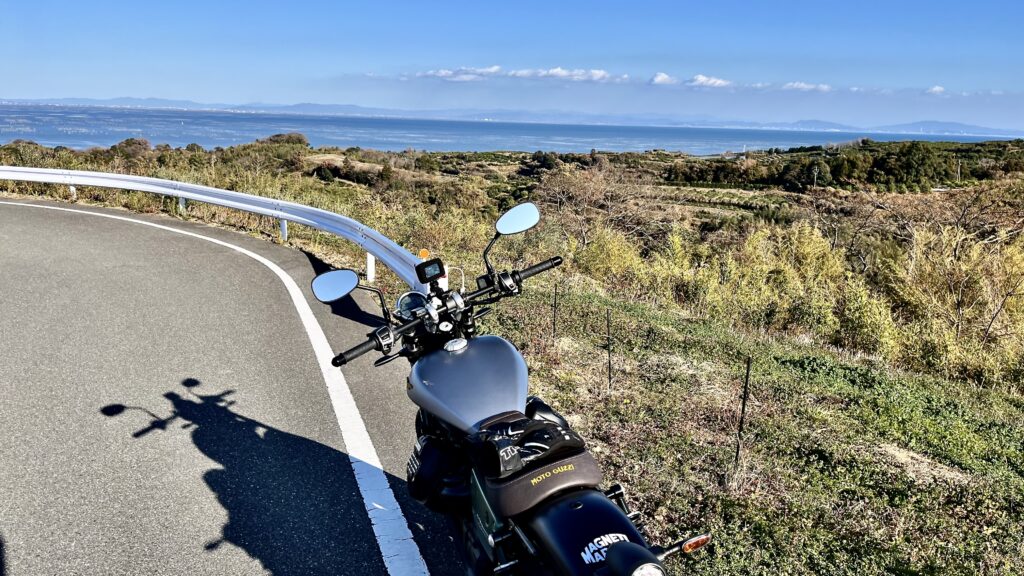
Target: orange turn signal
[696,543]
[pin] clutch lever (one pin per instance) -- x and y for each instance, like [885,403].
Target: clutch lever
[386,359]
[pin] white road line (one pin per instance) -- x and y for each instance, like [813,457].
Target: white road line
[401,555]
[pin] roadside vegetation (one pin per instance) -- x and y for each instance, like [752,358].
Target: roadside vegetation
[876,286]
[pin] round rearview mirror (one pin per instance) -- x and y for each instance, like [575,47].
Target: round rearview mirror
[334,285]
[518,219]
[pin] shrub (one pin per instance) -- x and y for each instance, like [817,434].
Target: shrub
[865,322]
[290,138]
[961,292]
[609,257]
[786,278]
[427,163]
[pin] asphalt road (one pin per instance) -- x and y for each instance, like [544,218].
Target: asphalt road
[250,476]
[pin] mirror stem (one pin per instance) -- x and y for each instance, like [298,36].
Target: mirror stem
[487,263]
[380,296]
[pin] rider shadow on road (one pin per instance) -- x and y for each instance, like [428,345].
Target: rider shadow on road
[292,503]
[347,307]
[3,558]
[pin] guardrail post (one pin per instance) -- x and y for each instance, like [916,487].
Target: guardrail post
[74,193]
[371,267]
[181,205]
[284,230]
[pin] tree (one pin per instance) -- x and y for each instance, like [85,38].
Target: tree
[387,175]
[587,198]
[427,163]
[290,138]
[539,163]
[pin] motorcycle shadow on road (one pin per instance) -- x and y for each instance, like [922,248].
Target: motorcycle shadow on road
[3,558]
[292,503]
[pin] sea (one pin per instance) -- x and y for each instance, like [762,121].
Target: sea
[82,127]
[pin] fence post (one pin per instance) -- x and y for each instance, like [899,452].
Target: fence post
[554,315]
[743,410]
[371,267]
[608,325]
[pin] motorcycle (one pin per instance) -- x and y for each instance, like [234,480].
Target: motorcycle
[517,484]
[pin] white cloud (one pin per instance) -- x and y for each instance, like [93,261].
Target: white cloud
[468,74]
[600,76]
[441,73]
[488,70]
[936,90]
[806,87]
[576,75]
[708,81]
[465,74]
[663,79]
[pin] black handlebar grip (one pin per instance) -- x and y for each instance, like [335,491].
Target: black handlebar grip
[541,267]
[354,352]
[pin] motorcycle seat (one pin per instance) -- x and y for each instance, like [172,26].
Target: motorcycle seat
[531,486]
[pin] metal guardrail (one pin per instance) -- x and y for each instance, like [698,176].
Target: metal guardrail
[398,259]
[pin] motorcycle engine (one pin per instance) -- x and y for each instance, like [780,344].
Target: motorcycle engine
[437,477]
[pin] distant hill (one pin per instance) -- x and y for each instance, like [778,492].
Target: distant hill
[808,125]
[125,102]
[322,109]
[820,125]
[935,127]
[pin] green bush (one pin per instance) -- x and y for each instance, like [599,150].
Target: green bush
[610,258]
[961,293]
[865,322]
[781,278]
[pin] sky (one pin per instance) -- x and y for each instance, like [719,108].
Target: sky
[865,63]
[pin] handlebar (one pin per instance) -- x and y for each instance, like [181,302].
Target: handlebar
[538,268]
[354,352]
[374,342]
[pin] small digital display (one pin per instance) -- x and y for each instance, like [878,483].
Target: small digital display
[430,270]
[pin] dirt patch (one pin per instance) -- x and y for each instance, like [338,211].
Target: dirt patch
[338,161]
[921,468]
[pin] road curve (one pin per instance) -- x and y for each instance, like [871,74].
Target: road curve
[250,475]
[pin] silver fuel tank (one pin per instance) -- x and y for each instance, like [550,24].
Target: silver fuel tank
[464,387]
